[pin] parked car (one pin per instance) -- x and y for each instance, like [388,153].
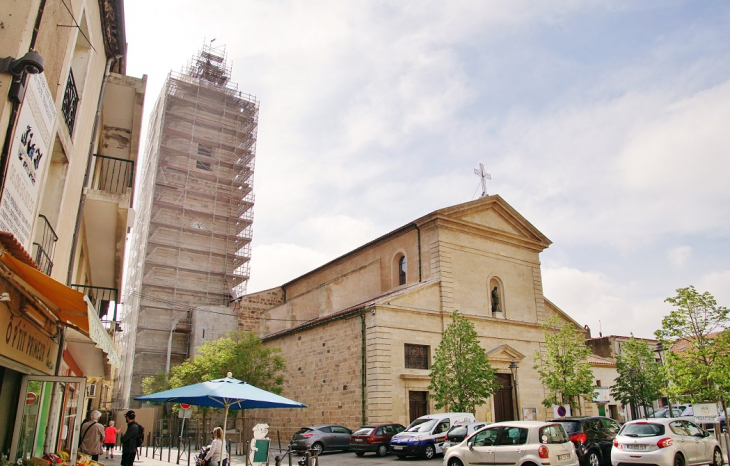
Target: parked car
[425,436]
[374,438]
[592,436]
[320,438]
[459,432]
[664,442]
[664,412]
[515,443]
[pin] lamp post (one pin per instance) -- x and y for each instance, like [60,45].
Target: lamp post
[660,350]
[513,368]
[634,414]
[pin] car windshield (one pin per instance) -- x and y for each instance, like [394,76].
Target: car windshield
[553,433]
[570,427]
[457,431]
[643,429]
[363,431]
[421,425]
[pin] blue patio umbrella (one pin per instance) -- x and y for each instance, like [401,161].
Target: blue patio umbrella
[227,393]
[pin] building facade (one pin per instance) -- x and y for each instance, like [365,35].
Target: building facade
[191,242]
[69,129]
[359,333]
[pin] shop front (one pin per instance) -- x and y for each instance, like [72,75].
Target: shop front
[51,340]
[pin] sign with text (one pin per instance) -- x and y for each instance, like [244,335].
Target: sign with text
[22,341]
[29,156]
[706,413]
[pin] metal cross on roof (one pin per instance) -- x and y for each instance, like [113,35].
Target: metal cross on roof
[484,176]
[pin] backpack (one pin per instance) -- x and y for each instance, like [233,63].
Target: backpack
[140,435]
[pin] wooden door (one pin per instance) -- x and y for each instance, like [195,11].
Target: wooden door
[417,405]
[503,401]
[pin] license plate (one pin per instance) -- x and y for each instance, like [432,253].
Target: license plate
[397,447]
[358,440]
[563,457]
[636,447]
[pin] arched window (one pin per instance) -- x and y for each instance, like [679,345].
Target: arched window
[496,301]
[402,270]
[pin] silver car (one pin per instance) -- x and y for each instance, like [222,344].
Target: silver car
[664,442]
[515,443]
[325,437]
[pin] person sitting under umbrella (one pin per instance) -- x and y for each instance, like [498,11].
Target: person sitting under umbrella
[214,455]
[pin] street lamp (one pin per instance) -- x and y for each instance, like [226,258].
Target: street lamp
[513,368]
[660,350]
[634,414]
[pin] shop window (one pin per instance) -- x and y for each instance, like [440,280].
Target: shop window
[416,356]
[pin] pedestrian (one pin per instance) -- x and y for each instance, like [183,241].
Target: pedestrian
[129,439]
[217,450]
[110,439]
[92,435]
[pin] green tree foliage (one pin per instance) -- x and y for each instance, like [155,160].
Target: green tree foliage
[563,365]
[697,366]
[461,376]
[640,378]
[240,353]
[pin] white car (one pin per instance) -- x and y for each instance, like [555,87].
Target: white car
[664,442]
[515,443]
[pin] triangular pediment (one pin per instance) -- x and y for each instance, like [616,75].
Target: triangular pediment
[494,216]
[505,353]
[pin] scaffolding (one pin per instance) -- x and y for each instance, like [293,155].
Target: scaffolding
[191,245]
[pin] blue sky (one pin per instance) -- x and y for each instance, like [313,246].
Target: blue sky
[604,123]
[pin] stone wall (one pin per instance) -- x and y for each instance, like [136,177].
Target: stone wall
[253,305]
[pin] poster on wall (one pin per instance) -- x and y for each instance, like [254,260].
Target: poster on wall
[28,157]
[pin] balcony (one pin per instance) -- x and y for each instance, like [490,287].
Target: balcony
[45,245]
[105,302]
[70,102]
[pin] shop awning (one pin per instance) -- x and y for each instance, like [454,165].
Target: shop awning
[71,307]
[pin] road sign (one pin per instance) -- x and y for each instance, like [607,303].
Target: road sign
[30,398]
[185,406]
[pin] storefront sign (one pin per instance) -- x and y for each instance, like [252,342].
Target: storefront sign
[29,156]
[23,342]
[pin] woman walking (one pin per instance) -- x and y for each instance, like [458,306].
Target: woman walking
[110,439]
[217,450]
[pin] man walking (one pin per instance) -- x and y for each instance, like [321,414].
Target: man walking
[129,439]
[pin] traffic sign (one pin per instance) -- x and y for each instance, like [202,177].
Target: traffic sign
[185,406]
[30,398]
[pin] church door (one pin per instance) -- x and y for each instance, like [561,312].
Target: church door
[417,405]
[503,402]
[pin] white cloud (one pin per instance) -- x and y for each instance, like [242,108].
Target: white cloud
[718,285]
[680,255]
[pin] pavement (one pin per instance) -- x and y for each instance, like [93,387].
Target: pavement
[325,459]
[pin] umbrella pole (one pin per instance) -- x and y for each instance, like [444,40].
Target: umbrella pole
[223,447]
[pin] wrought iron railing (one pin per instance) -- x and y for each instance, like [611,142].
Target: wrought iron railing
[43,250]
[105,302]
[113,175]
[70,102]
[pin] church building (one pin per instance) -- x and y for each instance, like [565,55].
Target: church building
[359,333]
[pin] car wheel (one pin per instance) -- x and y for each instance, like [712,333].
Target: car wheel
[429,451]
[593,459]
[360,453]
[318,447]
[383,450]
[717,458]
[455,462]
[678,460]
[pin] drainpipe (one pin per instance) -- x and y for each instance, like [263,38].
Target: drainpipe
[362,361]
[419,253]
[89,163]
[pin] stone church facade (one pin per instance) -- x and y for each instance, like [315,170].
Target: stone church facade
[359,333]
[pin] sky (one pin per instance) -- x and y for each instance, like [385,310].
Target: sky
[606,124]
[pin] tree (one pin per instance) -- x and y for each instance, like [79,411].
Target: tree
[640,378]
[694,331]
[461,376]
[240,353]
[563,365]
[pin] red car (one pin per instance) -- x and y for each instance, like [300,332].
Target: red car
[374,438]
